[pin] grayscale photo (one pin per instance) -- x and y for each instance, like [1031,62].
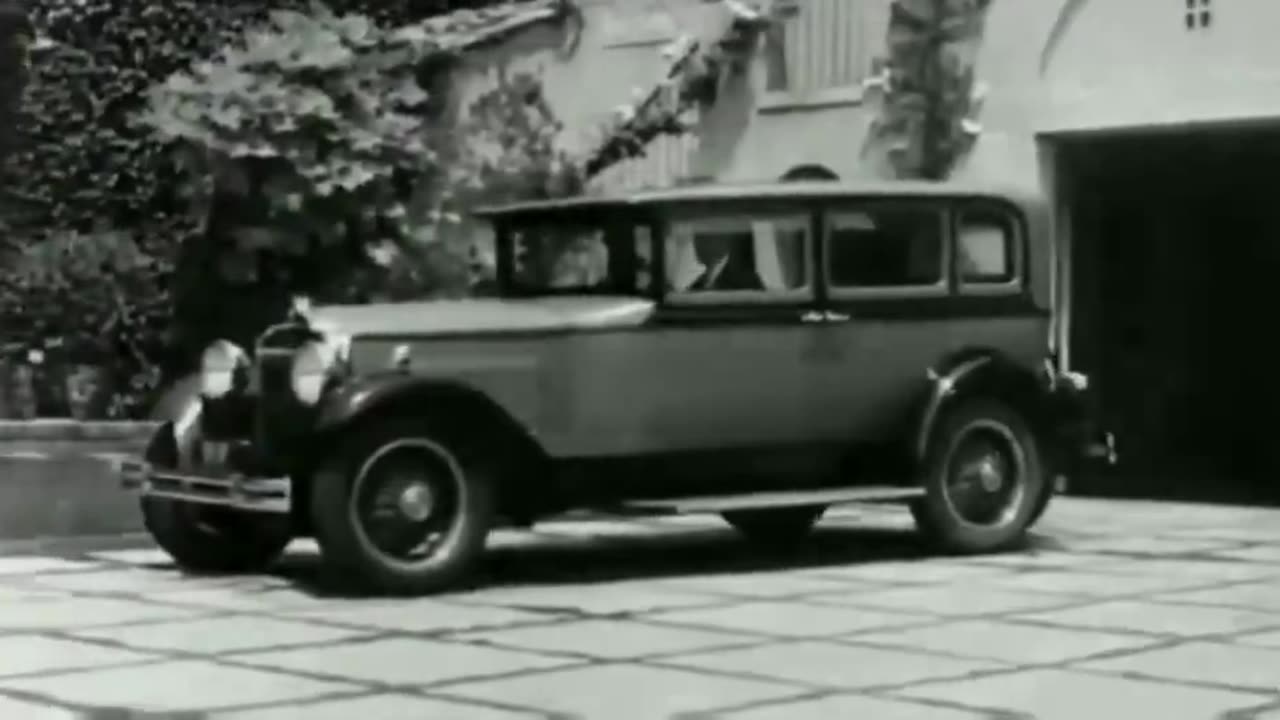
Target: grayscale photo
[638,360]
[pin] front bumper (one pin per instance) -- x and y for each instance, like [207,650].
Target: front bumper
[1082,442]
[267,495]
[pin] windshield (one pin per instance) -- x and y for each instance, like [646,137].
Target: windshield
[560,257]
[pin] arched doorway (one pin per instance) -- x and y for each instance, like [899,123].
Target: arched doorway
[802,173]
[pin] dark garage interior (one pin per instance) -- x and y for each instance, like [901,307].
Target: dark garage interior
[1176,272]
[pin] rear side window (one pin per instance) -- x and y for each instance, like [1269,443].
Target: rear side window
[986,248]
[891,248]
[744,257]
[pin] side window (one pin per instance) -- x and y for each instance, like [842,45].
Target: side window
[891,249]
[986,249]
[749,258]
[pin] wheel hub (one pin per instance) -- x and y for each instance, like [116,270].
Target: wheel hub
[416,501]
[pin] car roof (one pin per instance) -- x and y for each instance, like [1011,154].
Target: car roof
[781,190]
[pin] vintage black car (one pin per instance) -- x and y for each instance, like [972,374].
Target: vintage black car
[761,352]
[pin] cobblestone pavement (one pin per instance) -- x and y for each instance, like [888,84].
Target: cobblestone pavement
[1117,610]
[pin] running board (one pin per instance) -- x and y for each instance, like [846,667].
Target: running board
[768,500]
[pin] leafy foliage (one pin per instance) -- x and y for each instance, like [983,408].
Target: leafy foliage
[929,82]
[85,168]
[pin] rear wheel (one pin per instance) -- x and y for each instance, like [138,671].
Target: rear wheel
[402,508]
[775,525]
[984,478]
[208,539]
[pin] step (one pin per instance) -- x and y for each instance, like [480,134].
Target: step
[776,499]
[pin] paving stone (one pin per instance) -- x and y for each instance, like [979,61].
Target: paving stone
[1091,584]
[1253,595]
[790,619]
[377,707]
[1206,570]
[1255,553]
[35,654]
[143,581]
[852,706]
[1005,641]
[1152,545]
[32,564]
[402,661]
[833,665]
[914,572]
[1236,666]
[422,615]
[174,686]
[19,710]
[762,584]
[255,599]
[1268,639]
[1066,695]
[622,692]
[608,639]
[1157,618]
[592,599]
[219,634]
[75,612]
[966,599]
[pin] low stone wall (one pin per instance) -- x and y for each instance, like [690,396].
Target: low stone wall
[56,478]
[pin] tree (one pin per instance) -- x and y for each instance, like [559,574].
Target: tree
[16,35]
[324,162]
[929,84]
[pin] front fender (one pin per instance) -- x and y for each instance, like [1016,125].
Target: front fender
[178,410]
[396,391]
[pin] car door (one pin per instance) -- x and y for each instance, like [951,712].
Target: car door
[734,332]
[886,272]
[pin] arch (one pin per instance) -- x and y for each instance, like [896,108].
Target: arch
[809,172]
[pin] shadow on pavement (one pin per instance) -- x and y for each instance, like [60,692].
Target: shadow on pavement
[557,559]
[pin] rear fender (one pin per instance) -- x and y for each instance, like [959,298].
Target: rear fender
[979,374]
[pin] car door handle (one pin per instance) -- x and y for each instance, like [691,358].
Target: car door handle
[833,316]
[813,316]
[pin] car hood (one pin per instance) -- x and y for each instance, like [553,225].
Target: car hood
[481,316]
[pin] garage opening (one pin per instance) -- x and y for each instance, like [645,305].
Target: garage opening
[1176,280]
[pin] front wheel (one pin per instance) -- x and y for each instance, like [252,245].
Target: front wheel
[206,539]
[984,478]
[777,525]
[402,508]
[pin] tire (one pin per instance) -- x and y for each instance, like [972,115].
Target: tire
[215,540]
[1010,482]
[775,526]
[343,522]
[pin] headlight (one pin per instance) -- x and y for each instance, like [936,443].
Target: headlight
[314,364]
[219,366]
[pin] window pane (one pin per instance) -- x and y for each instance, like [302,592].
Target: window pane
[886,248]
[737,254]
[985,249]
[560,257]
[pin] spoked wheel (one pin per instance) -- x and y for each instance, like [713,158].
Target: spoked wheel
[207,539]
[984,479]
[401,510]
[776,525]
